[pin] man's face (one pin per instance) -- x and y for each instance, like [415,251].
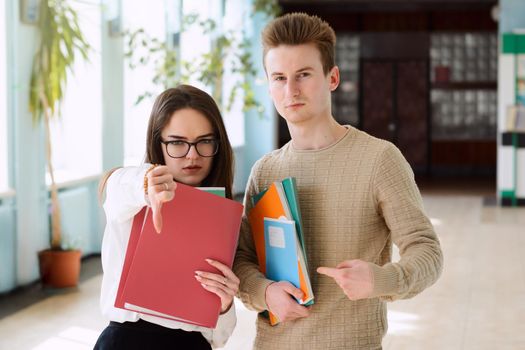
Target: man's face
[298,86]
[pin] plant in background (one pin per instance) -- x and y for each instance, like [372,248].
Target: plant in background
[208,68]
[61,43]
[270,8]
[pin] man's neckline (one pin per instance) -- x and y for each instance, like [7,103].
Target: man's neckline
[333,144]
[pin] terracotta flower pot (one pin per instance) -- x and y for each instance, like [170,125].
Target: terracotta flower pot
[59,268]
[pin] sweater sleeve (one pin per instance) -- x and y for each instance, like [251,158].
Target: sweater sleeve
[399,202]
[252,288]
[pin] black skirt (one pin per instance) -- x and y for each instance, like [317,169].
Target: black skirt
[146,335]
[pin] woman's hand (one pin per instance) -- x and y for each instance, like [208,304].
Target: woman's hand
[225,286]
[161,189]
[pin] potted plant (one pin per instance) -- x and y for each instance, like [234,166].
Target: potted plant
[60,43]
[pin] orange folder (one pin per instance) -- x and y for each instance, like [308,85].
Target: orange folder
[271,206]
[159,269]
[274,204]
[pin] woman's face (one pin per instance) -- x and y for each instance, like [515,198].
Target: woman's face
[188,125]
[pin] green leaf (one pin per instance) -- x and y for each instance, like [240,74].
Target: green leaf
[60,40]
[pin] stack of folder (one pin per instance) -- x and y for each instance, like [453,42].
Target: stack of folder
[158,273]
[277,230]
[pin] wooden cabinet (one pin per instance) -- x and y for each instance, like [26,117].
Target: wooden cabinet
[470,153]
[394,92]
[442,126]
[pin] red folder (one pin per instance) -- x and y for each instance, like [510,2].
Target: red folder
[159,269]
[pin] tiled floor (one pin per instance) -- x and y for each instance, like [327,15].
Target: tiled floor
[478,303]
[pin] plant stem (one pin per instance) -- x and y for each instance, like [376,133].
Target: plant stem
[56,231]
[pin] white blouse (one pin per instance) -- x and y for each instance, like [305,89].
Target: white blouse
[125,198]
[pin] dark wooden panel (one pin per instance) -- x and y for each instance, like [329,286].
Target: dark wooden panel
[464,152]
[343,22]
[377,99]
[412,111]
[365,6]
[394,45]
[480,20]
[466,85]
[395,22]
[399,15]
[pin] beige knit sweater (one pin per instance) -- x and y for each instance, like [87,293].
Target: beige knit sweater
[357,196]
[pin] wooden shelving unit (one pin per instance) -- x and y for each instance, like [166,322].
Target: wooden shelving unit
[465,85]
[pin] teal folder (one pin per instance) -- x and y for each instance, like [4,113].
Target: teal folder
[290,190]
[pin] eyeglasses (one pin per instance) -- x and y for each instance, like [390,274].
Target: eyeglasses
[180,148]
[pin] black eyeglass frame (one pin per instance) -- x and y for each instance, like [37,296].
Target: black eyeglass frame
[190,144]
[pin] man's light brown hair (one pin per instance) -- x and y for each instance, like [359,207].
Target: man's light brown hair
[298,29]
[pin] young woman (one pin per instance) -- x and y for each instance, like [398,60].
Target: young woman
[186,143]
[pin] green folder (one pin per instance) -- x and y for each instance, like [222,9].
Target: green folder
[219,191]
[290,190]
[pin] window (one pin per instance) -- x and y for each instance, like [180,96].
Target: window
[76,136]
[194,44]
[148,15]
[3,100]
[161,20]
[234,119]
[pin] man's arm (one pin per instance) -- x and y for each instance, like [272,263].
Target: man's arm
[399,202]
[255,290]
[253,283]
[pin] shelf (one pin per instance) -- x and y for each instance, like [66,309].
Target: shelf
[464,139]
[466,85]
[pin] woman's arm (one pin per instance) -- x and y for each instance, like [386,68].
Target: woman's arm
[125,193]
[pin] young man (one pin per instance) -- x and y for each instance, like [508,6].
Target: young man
[357,196]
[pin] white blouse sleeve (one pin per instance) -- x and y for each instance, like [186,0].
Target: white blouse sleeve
[125,193]
[218,336]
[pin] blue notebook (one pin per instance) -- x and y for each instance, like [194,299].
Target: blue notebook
[280,239]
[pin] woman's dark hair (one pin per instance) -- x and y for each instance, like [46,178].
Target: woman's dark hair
[186,96]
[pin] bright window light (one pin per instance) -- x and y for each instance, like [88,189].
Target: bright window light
[436,221]
[72,338]
[77,134]
[148,15]
[192,43]
[234,119]
[3,100]
[402,322]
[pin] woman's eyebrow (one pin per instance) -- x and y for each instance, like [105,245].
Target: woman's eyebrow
[185,138]
[177,137]
[206,135]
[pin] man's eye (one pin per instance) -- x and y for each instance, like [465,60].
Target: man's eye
[279,78]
